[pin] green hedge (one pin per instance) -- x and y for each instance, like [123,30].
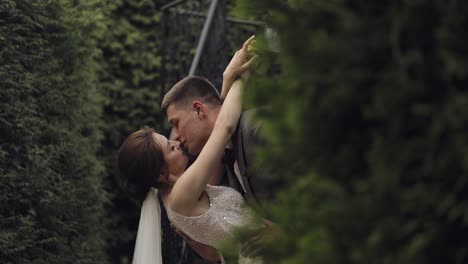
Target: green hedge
[129,81]
[50,187]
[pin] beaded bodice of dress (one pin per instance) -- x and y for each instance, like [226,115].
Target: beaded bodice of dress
[226,211]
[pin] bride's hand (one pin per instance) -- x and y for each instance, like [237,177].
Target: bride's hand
[239,66]
[240,62]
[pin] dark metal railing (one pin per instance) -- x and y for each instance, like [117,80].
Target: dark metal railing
[202,24]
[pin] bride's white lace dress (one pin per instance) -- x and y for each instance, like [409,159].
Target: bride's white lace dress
[226,212]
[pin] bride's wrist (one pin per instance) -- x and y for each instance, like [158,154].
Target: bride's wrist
[239,80]
[229,79]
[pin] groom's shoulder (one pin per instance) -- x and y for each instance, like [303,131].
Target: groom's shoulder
[251,118]
[250,125]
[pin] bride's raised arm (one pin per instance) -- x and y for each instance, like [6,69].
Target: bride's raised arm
[188,188]
[236,67]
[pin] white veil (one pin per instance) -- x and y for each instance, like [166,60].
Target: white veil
[148,242]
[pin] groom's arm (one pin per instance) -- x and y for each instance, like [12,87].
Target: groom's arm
[208,253]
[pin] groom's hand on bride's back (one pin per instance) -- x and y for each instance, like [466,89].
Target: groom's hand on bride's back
[204,251]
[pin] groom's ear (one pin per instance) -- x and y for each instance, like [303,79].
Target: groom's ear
[198,107]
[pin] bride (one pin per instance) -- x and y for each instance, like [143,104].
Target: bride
[151,163]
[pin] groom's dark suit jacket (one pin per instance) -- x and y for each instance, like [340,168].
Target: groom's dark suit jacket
[260,184]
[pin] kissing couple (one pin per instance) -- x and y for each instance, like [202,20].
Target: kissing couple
[206,201]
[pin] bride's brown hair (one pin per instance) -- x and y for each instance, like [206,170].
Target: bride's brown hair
[140,162]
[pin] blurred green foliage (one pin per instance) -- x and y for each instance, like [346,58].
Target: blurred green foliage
[368,126]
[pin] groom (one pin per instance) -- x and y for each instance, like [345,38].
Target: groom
[192,106]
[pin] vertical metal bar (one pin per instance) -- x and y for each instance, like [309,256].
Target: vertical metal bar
[201,42]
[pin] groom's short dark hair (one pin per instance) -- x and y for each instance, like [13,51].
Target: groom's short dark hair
[189,89]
